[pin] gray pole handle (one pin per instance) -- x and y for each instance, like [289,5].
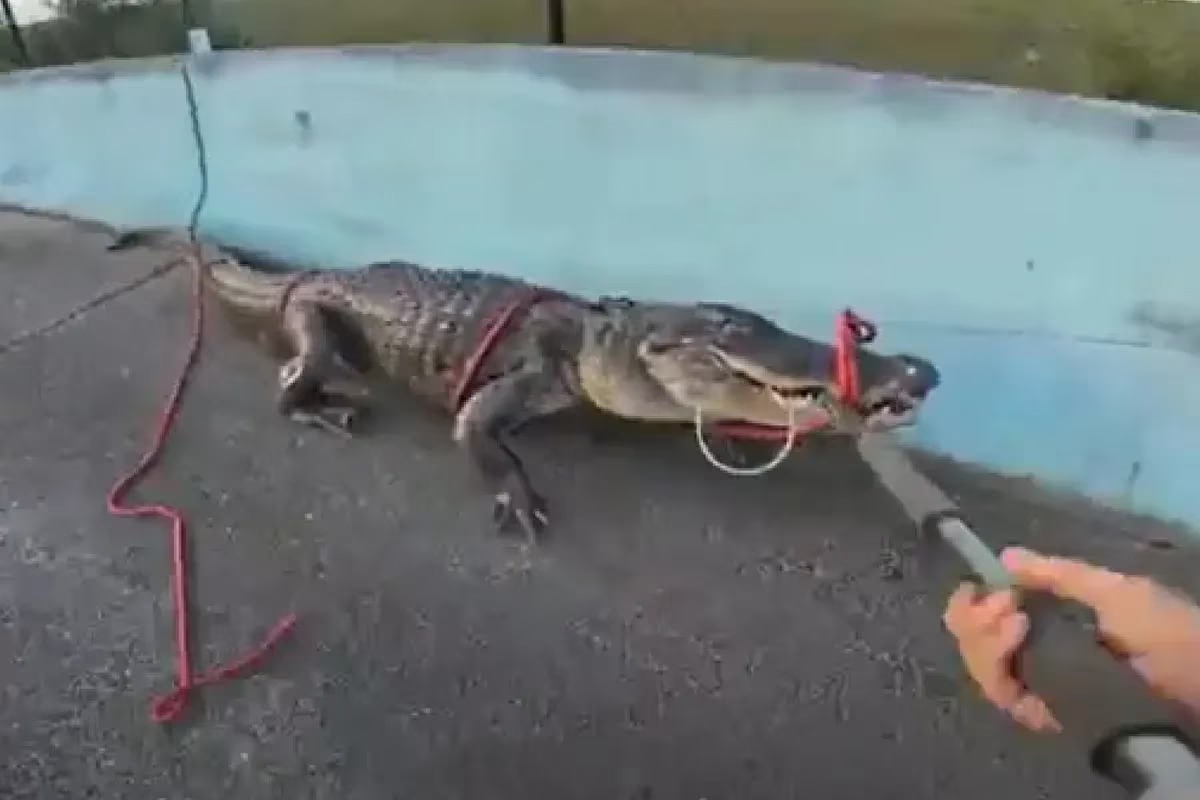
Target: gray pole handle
[1129,735]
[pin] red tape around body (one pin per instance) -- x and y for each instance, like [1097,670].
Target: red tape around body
[168,707]
[493,332]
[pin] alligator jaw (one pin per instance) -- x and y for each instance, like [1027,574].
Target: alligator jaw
[803,388]
[898,411]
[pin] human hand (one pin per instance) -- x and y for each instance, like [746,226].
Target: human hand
[1156,629]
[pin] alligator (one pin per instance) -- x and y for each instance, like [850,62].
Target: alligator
[415,327]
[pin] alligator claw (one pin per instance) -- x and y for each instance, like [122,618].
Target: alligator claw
[346,392]
[338,421]
[344,418]
[524,507]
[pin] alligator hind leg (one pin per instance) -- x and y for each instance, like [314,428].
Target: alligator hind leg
[302,395]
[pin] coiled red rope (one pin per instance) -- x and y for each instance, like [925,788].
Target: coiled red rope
[168,707]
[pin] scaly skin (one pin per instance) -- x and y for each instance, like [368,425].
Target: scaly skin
[653,362]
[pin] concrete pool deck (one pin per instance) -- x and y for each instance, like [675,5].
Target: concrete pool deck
[709,637]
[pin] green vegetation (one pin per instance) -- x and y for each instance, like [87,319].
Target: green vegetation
[273,23]
[89,30]
[1141,50]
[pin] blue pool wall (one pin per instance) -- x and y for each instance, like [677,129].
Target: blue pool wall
[1042,250]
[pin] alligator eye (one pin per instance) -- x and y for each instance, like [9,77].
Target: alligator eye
[657,343]
[658,348]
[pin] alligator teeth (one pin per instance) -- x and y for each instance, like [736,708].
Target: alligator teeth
[806,394]
[793,400]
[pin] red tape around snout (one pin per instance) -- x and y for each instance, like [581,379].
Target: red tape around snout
[852,331]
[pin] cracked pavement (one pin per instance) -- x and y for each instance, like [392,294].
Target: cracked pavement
[691,635]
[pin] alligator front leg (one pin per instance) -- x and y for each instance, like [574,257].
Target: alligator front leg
[491,416]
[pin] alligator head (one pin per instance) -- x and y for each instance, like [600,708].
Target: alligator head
[893,388]
[668,362]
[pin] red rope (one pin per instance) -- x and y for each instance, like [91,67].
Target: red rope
[168,707]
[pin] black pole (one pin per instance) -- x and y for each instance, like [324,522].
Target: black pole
[556,27]
[189,18]
[17,37]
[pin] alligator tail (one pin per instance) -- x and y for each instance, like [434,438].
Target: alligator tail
[249,290]
[148,237]
[246,282]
